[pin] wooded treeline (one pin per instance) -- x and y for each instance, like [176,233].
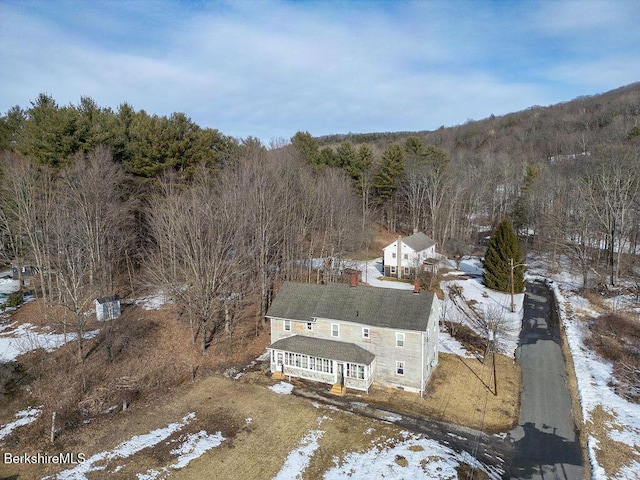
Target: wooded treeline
[100,200]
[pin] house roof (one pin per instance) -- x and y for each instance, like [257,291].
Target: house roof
[418,241]
[329,349]
[379,307]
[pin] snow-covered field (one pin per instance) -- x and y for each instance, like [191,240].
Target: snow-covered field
[594,374]
[18,339]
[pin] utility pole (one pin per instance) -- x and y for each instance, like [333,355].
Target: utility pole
[512,266]
[513,307]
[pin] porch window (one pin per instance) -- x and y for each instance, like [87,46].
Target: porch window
[399,339]
[355,371]
[392,270]
[309,326]
[406,270]
[287,325]
[335,330]
[366,333]
[400,368]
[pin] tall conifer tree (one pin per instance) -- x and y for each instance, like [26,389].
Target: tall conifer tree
[504,246]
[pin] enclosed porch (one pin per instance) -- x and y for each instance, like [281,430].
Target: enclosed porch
[341,364]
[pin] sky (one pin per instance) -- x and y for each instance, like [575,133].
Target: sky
[269,69]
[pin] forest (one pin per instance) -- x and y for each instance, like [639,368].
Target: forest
[103,201]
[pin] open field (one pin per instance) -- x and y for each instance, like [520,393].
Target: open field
[261,431]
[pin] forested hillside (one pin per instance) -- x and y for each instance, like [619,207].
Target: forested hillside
[113,199]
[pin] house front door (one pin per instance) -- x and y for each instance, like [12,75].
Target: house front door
[280,361]
[340,370]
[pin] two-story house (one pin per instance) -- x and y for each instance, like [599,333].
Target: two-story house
[407,256]
[350,336]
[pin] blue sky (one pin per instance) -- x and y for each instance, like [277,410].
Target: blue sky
[271,68]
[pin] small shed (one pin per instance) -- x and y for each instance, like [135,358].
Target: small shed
[108,308]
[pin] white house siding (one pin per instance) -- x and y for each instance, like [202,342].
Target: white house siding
[414,259]
[382,343]
[431,343]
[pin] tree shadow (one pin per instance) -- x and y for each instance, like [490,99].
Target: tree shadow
[538,448]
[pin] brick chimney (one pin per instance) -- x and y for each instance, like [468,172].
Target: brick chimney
[354,279]
[416,286]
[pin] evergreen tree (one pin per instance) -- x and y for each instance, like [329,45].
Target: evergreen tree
[503,247]
[390,172]
[307,147]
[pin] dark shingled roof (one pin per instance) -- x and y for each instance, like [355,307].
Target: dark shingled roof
[379,307]
[418,241]
[329,349]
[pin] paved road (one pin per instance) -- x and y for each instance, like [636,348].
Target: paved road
[545,440]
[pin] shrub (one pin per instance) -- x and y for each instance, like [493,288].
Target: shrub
[14,300]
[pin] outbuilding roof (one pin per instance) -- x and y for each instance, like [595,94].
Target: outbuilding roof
[329,349]
[380,307]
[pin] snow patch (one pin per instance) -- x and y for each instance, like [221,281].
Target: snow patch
[27,337]
[23,417]
[298,460]
[283,388]
[126,449]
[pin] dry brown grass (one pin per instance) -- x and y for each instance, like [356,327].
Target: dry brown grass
[461,392]
[253,450]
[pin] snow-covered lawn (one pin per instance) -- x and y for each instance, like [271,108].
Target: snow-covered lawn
[372,274]
[412,457]
[594,375]
[18,339]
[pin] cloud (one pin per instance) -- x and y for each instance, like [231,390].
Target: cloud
[271,68]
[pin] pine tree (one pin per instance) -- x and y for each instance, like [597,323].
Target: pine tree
[390,172]
[503,247]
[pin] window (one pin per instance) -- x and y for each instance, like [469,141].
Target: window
[400,368]
[309,326]
[287,325]
[312,363]
[399,339]
[355,371]
[335,330]
[392,270]
[393,255]
[406,256]
[406,270]
[365,332]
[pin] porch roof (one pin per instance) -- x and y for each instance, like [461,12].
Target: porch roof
[329,349]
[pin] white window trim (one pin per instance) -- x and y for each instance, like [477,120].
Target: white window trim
[406,270]
[400,366]
[392,269]
[338,330]
[286,325]
[309,325]
[400,337]
[366,332]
